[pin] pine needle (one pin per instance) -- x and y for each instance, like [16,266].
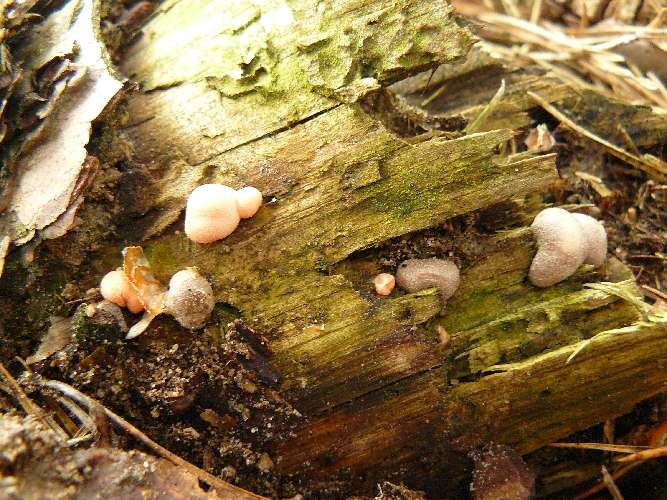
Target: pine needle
[479,120]
[649,454]
[611,485]
[614,448]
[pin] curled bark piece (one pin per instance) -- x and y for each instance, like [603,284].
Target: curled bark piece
[138,271]
[52,158]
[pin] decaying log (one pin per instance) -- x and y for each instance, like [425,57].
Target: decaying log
[369,373]
[271,96]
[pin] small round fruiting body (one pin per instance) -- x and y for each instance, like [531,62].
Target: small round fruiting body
[414,275]
[561,248]
[116,287]
[189,298]
[564,242]
[384,284]
[211,213]
[595,238]
[443,335]
[248,201]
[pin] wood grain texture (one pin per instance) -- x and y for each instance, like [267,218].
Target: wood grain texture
[267,95]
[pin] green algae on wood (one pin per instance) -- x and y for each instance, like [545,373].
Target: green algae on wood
[343,183]
[225,73]
[271,269]
[534,329]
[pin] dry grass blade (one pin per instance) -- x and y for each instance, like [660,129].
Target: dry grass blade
[479,120]
[588,54]
[654,291]
[614,289]
[223,488]
[628,139]
[511,8]
[87,429]
[434,95]
[621,471]
[63,418]
[657,169]
[536,11]
[615,448]
[611,485]
[596,183]
[29,406]
[660,18]
[580,347]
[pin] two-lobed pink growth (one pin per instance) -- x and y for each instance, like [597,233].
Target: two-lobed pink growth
[214,211]
[565,241]
[116,287]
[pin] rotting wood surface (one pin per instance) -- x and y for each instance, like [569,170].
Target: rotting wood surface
[342,183]
[376,389]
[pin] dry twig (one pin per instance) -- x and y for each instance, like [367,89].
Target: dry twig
[222,487]
[649,454]
[30,407]
[477,123]
[651,165]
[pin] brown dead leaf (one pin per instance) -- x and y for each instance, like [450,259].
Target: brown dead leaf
[150,291]
[56,338]
[138,270]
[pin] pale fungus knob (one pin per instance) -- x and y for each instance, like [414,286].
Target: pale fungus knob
[211,213]
[248,201]
[414,275]
[116,287]
[189,298]
[595,238]
[384,284]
